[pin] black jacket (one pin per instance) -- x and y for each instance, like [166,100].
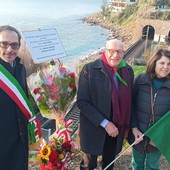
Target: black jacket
[142,115]
[94,101]
[13,125]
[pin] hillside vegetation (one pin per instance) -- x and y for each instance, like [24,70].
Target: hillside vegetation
[138,10]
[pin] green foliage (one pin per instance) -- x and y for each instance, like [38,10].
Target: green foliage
[105,8]
[150,2]
[132,11]
[163,3]
[127,12]
[164,15]
[138,69]
[153,2]
[142,1]
[126,21]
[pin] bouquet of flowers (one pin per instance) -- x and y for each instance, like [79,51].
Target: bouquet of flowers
[53,88]
[57,154]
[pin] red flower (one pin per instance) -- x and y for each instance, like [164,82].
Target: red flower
[49,166]
[53,96]
[62,70]
[53,88]
[66,145]
[39,98]
[72,74]
[72,85]
[53,158]
[36,91]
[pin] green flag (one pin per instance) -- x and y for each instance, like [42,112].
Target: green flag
[159,133]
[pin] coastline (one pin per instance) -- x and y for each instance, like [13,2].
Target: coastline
[95,19]
[115,31]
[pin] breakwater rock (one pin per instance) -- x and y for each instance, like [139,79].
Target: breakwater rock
[99,19]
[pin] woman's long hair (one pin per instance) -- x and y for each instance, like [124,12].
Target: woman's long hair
[151,64]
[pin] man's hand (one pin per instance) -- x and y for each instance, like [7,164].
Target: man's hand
[111,129]
[137,133]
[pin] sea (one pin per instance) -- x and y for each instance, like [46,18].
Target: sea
[79,39]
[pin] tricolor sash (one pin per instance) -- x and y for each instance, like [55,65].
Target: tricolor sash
[11,86]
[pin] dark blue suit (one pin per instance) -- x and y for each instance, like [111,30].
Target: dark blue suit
[13,125]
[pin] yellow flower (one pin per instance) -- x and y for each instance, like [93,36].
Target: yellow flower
[45,152]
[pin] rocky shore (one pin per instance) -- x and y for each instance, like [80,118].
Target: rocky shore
[116,31]
[98,19]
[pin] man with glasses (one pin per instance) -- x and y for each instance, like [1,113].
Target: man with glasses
[104,100]
[13,123]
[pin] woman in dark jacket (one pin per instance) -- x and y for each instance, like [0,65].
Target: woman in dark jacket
[13,123]
[104,100]
[151,102]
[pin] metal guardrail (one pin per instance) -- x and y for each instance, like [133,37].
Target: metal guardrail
[133,48]
[73,114]
[46,134]
[137,50]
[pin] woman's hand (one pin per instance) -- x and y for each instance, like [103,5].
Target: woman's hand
[138,135]
[151,143]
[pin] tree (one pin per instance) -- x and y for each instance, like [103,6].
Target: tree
[162,3]
[105,9]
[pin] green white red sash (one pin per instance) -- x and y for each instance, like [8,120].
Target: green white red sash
[11,86]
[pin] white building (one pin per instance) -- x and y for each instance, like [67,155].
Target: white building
[118,5]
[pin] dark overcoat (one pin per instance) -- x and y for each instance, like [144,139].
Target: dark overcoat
[13,125]
[142,117]
[94,98]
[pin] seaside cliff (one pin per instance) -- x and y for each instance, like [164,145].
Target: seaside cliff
[116,31]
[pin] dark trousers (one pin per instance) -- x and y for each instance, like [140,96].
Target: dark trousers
[109,153]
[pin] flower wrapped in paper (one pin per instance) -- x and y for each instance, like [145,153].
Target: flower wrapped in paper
[57,154]
[53,88]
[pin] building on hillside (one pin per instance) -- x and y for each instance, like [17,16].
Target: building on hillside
[118,5]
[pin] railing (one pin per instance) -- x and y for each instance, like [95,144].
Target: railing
[131,49]
[73,114]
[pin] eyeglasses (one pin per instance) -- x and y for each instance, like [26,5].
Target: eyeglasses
[115,51]
[5,44]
